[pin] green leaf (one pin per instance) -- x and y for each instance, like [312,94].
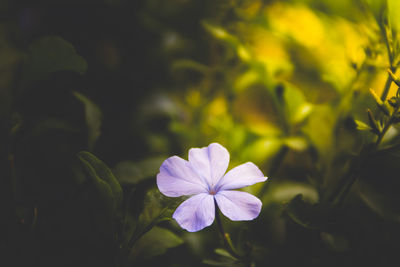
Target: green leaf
[297,109]
[221,34]
[335,242]
[187,64]
[297,143]
[101,199]
[226,263]
[155,242]
[319,127]
[128,172]
[50,54]
[262,149]
[224,253]
[280,192]
[373,123]
[93,118]
[306,214]
[394,13]
[157,208]
[379,181]
[383,106]
[362,126]
[102,175]
[246,79]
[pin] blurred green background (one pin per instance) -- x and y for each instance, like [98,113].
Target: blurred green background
[284,84]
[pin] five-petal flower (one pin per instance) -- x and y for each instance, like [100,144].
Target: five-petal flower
[203,178]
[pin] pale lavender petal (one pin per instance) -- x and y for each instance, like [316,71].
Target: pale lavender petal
[237,205]
[241,176]
[177,178]
[196,212]
[210,162]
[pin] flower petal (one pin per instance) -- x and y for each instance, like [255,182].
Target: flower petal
[196,212]
[241,176]
[177,178]
[210,162]
[238,205]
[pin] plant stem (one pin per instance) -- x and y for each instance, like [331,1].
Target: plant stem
[274,166]
[353,173]
[388,83]
[225,236]
[386,128]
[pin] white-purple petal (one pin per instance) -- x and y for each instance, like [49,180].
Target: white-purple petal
[196,212]
[210,162]
[241,176]
[177,178]
[238,205]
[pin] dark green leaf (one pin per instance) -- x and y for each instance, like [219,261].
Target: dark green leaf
[157,208]
[373,123]
[93,118]
[311,216]
[51,54]
[335,242]
[283,192]
[379,181]
[128,172]
[101,198]
[155,242]
[224,253]
[103,174]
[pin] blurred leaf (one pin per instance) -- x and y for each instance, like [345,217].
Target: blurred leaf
[394,13]
[319,127]
[296,107]
[50,54]
[246,79]
[224,253]
[45,125]
[221,34]
[219,263]
[128,172]
[362,126]
[379,181]
[189,64]
[155,242]
[102,176]
[378,202]
[280,192]
[93,118]
[304,213]
[335,242]
[378,8]
[262,150]
[297,143]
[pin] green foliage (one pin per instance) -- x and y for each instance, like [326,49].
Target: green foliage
[102,178]
[48,55]
[155,242]
[93,118]
[128,172]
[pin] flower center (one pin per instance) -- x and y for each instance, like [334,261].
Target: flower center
[212,192]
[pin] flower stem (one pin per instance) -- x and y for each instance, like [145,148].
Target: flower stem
[225,236]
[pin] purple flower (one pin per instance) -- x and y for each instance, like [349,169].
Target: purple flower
[203,177]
